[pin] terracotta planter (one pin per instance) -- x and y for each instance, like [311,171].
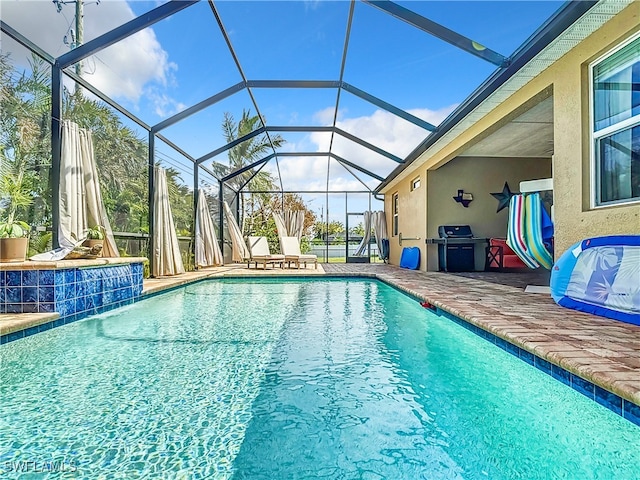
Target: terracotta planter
[13,249]
[92,242]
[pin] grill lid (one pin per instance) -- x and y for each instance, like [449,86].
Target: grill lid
[455,231]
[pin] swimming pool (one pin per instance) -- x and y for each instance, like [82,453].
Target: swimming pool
[273,379]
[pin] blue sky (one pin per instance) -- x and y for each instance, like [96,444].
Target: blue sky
[184,59]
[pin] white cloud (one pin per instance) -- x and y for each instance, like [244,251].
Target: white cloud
[325,117]
[382,129]
[125,70]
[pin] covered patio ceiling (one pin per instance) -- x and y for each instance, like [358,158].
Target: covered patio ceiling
[352,88]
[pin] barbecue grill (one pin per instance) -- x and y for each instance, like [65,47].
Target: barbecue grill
[456,248]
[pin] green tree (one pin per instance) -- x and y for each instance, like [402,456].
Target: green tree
[25,157]
[321,230]
[244,154]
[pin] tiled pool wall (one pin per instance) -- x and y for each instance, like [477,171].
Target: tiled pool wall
[613,402]
[74,293]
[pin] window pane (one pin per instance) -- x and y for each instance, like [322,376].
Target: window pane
[619,166]
[616,82]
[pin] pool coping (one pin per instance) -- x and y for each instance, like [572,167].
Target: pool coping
[617,395]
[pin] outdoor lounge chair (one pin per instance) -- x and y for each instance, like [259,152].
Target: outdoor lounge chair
[290,246]
[259,249]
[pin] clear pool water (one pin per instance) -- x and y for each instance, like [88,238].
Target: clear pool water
[293,380]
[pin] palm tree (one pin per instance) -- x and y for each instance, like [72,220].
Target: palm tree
[244,154]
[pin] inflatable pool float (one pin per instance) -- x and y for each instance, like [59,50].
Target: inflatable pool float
[410,258]
[601,276]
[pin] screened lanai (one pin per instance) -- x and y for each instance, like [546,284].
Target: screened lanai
[267,105]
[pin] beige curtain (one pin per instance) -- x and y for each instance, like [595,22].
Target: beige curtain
[207,249]
[81,203]
[362,248]
[380,232]
[294,221]
[240,252]
[280,226]
[290,223]
[165,248]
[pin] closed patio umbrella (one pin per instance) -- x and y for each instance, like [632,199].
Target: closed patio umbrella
[290,223]
[294,221]
[207,249]
[367,234]
[81,204]
[282,229]
[165,247]
[240,252]
[380,233]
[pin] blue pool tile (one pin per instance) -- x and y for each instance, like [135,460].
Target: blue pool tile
[488,336]
[3,308]
[92,286]
[31,331]
[108,297]
[513,349]
[14,307]
[2,292]
[29,294]
[97,299]
[70,307]
[90,303]
[631,412]
[45,326]
[46,277]
[4,339]
[46,307]
[46,294]
[15,336]
[608,399]
[58,322]
[70,291]
[29,278]
[501,343]
[81,289]
[3,277]
[69,275]
[30,307]
[13,295]
[543,365]
[80,305]
[561,375]
[58,292]
[585,387]
[58,277]
[13,278]
[528,357]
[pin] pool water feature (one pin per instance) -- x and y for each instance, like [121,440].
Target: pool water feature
[273,379]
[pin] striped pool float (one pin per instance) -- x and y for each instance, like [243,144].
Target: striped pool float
[516,231]
[533,231]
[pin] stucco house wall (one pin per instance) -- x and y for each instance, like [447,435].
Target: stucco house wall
[567,80]
[480,177]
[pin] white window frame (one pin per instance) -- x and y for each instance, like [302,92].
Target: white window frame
[395,208]
[413,183]
[594,180]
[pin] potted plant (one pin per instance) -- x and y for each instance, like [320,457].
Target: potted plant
[14,234]
[95,236]
[14,241]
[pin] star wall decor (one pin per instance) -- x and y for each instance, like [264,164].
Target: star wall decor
[503,197]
